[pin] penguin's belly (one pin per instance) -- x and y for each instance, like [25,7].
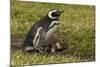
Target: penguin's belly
[51,31]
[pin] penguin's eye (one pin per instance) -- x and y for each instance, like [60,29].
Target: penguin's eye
[56,14]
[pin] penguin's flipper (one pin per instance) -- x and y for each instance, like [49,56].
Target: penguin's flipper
[42,42]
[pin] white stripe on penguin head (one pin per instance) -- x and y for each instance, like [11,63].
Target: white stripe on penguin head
[35,43]
[50,14]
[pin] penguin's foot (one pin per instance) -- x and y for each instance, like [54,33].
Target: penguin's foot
[28,49]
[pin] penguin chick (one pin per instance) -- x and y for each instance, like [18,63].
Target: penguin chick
[55,45]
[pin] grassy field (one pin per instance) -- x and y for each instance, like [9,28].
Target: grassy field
[77,28]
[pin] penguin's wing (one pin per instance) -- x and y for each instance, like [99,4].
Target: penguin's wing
[42,35]
[39,39]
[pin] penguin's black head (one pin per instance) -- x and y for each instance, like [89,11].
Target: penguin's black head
[54,13]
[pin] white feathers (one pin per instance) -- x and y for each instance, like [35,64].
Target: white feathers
[35,42]
[52,30]
[28,48]
[50,14]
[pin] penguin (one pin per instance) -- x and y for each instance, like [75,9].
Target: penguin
[39,34]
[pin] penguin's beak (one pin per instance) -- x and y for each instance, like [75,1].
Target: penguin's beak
[61,11]
[58,13]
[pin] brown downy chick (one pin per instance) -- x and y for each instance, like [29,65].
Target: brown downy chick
[55,45]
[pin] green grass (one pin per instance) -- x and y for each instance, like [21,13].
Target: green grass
[77,28]
[37,58]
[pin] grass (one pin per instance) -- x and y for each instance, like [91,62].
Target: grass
[37,58]
[77,28]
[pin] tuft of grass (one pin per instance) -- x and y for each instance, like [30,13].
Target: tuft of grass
[77,29]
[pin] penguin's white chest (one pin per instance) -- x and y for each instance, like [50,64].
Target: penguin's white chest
[54,25]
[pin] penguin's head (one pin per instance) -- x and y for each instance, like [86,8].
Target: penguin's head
[54,13]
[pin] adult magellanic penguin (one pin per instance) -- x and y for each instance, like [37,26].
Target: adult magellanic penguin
[41,31]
